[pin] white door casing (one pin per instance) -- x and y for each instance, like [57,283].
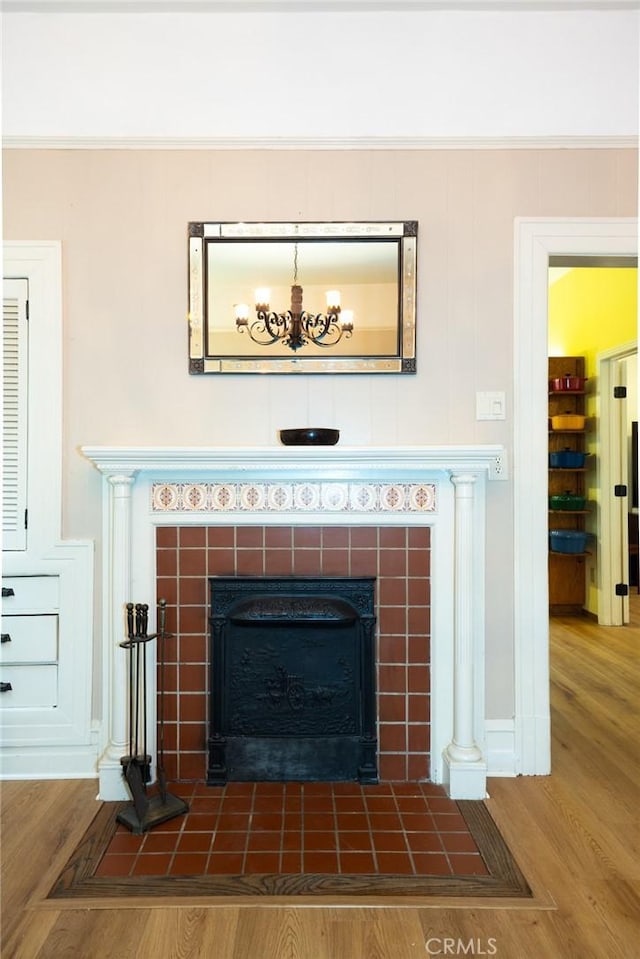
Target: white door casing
[536,240]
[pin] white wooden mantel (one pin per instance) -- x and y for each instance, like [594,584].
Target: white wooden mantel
[455,510]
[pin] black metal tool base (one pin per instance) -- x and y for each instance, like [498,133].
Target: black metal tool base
[158,810]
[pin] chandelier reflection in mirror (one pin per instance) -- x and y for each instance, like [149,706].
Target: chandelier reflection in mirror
[295,327]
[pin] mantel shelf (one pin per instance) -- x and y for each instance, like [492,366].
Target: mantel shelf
[328,462]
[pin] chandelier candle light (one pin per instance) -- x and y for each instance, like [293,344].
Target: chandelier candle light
[295,327]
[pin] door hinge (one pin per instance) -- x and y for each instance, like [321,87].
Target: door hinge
[619,392]
[620,490]
[622,589]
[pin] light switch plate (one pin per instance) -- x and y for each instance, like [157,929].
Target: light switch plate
[490,406]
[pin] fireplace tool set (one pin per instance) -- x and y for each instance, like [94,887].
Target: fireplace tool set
[145,811]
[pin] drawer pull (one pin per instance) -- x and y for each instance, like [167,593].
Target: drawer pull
[5,637]
[5,687]
[8,591]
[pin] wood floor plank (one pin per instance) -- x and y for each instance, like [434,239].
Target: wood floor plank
[574,835]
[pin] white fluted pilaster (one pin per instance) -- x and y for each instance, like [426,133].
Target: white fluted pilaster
[118,594]
[464,765]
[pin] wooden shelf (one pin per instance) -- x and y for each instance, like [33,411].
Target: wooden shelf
[567,583]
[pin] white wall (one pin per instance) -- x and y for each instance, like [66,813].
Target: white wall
[424,74]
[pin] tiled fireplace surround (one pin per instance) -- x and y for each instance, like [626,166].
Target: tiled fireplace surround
[412,517]
[397,556]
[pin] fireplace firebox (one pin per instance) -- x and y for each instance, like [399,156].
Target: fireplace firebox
[292,679]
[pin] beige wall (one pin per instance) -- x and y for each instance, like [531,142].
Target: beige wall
[122,218]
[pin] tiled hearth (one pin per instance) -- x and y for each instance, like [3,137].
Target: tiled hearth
[399,558]
[400,829]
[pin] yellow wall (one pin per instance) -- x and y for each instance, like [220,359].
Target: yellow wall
[592,309]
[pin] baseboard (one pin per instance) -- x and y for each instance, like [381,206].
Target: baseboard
[501,747]
[51,762]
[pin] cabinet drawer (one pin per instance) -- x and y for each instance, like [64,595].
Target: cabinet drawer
[29,639]
[31,686]
[30,594]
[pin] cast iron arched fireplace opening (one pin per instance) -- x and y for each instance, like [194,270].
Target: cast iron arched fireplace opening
[292,679]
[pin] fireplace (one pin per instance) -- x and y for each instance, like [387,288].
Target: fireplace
[292,679]
[439,489]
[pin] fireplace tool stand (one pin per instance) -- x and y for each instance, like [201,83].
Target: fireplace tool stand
[145,811]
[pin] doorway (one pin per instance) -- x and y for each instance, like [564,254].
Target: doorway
[592,313]
[536,241]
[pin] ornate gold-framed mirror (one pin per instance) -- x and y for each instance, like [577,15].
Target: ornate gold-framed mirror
[335,297]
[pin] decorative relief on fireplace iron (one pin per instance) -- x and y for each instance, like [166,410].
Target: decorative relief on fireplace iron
[267,699]
[305,497]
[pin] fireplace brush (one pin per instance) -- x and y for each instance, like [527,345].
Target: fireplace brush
[145,811]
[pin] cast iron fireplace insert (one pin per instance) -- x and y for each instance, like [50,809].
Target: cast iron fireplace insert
[292,679]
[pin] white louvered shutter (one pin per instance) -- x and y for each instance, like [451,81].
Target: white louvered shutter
[14,414]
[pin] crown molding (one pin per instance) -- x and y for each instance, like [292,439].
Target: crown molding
[307,6]
[321,143]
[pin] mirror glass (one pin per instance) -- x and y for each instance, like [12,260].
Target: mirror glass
[294,268]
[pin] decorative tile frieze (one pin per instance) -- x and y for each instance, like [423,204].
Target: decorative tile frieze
[285,497]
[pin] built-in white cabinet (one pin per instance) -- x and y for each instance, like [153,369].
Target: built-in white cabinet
[29,642]
[46,728]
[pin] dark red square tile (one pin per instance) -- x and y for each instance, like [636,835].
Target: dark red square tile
[291,862]
[320,862]
[278,537]
[292,840]
[160,841]
[266,820]
[264,841]
[233,822]
[225,864]
[307,536]
[357,863]
[458,842]
[424,841]
[354,841]
[352,821]
[318,820]
[250,537]
[194,842]
[335,536]
[229,842]
[156,864]
[190,536]
[335,562]
[389,842]
[450,822]
[467,865]
[188,864]
[318,841]
[349,804]
[418,822]
[431,864]
[385,821]
[262,862]
[292,821]
[364,537]
[166,536]
[394,863]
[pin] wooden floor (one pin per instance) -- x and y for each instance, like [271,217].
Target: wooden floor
[575,835]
